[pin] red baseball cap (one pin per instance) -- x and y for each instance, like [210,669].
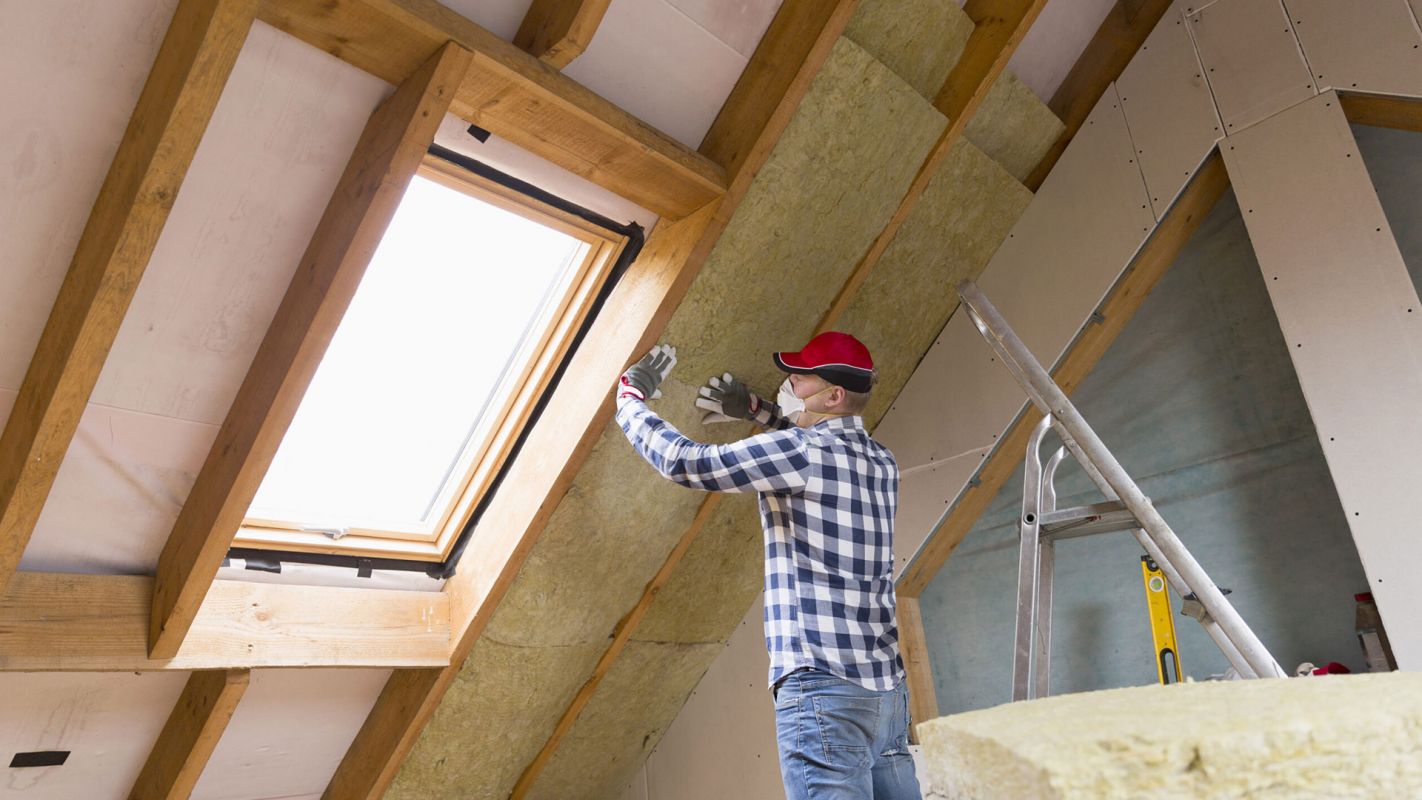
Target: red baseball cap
[837,357]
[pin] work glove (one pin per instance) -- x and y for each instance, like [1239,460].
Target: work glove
[726,399]
[642,379]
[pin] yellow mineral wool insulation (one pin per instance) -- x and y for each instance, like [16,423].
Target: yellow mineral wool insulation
[920,40]
[1340,736]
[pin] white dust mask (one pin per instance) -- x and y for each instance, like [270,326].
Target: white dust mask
[793,407]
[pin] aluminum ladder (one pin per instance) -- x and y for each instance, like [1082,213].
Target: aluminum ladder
[1126,508]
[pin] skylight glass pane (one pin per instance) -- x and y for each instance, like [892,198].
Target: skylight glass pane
[445,311]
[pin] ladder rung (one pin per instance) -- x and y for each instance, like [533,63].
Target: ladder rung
[1079,512]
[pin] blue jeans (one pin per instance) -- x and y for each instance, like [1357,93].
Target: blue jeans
[840,741]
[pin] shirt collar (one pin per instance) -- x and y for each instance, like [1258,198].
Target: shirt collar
[850,423]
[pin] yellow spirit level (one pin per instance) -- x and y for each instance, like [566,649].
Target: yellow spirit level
[1162,624]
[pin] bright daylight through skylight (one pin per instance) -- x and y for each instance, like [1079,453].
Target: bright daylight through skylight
[446,310]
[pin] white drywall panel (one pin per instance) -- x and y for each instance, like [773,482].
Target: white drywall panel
[925,495]
[1078,234]
[654,62]
[74,70]
[957,401]
[1251,59]
[1169,110]
[289,733]
[118,493]
[1374,50]
[501,17]
[1055,42]
[278,141]
[722,744]
[1353,322]
[738,23]
[108,722]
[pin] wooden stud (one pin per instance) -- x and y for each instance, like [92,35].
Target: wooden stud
[1121,34]
[389,151]
[193,64]
[1125,298]
[1001,24]
[582,405]
[1402,113]
[513,95]
[191,734]
[53,622]
[913,648]
[558,31]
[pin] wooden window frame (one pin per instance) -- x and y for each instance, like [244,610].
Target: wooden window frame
[513,410]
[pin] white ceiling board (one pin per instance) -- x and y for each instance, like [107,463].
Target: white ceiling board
[957,400]
[108,722]
[1379,50]
[1352,320]
[660,66]
[289,733]
[513,160]
[738,23]
[118,493]
[1076,237]
[1169,110]
[1251,58]
[502,17]
[279,139]
[1055,41]
[925,495]
[74,71]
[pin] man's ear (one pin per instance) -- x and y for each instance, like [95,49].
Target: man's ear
[838,396]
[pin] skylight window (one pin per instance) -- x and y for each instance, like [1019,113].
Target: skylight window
[464,309]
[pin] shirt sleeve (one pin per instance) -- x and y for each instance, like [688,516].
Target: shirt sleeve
[769,417]
[775,461]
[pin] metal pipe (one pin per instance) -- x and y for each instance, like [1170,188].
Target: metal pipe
[1050,399]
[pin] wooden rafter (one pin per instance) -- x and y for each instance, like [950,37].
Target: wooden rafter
[173,111]
[1165,244]
[52,622]
[386,156]
[1002,24]
[634,317]
[913,648]
[1121,34]
[513,95]
[558,31]
[194,727]
[1382,112]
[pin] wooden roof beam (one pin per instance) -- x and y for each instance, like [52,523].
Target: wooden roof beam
[386,156]
[558,31]
[52,622]
[513,95]
[128,216]
[759,108]
[194,727]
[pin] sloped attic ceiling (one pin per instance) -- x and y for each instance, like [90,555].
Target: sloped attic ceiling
[283,130]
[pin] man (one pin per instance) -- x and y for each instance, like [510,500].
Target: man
[827,499]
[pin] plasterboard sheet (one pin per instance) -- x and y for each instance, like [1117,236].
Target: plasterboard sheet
[289,732]
[738,23]
[118,493]
[501,17]
[1084,226]
[108,722]
[1378,50]
[958,399]
[1353,324]
[54,160]
[722,744]
[1055,42]
[656,63]
[263,173]
[925,495]
[1169,110]
[1251,59]
[511,159]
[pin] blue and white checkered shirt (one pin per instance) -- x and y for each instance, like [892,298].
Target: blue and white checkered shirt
[827,499]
